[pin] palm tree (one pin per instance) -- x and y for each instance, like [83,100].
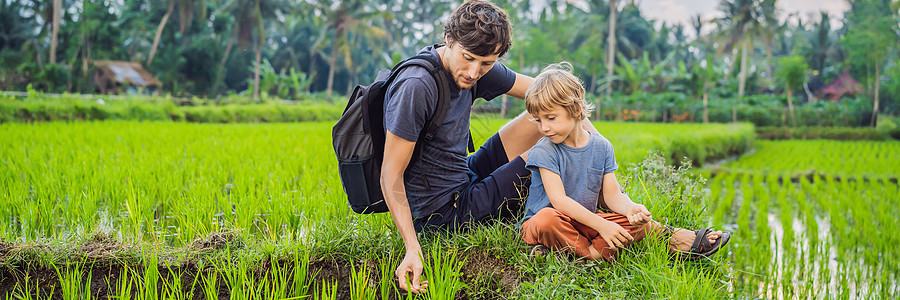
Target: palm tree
[740,25]
[821,43]
[769,27]
[159,30]
[15,28]
[610,49]
[346,16]
[57,6]
[250,19]
[791,72]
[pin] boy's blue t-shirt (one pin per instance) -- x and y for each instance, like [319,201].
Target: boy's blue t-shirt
[581,170]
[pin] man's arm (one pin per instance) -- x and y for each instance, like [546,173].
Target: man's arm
[614,234]
[397,153]
[523,82]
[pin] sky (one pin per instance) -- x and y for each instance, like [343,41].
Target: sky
[680,11]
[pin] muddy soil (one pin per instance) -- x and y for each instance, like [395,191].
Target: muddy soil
[102,263]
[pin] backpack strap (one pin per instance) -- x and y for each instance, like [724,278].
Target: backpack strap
[436,70]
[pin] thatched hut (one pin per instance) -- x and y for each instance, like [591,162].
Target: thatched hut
[118,76]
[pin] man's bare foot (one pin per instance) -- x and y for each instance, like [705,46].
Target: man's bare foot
[683,239]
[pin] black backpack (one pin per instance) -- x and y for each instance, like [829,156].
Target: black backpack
[358,136]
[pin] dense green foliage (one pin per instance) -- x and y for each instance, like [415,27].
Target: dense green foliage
[213,48]
[825,133]
[761,110]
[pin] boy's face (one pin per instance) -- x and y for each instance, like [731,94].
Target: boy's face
[557,125]
[466,67]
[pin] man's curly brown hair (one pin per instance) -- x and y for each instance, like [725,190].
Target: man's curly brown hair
[480,27]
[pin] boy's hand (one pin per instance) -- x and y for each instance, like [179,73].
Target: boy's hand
[639,215]
[613,234]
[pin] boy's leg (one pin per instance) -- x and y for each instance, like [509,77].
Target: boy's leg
[680,239]
[552,228]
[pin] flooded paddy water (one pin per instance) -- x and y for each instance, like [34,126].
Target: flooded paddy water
[812,236]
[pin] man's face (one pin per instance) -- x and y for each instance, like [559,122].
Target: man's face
[466,67]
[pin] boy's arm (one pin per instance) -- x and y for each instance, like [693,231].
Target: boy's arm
[620,203]
[609,231]
[397,153]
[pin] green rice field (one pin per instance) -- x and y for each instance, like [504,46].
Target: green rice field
[168,210]
[828,234]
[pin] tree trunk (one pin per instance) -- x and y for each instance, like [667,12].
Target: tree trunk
[312,69]
[54,40]
[809,94]
[769,72]
[742,78]
[159,30]
[877,86]
[503,103]
[221,74]
[332,63]
[705,105]
[611,49]
[791,106]
[261,31]
[256,71]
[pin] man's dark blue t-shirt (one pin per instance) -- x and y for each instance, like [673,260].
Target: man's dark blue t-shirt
[410,102]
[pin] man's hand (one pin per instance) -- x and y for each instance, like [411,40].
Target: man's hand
[613,234]
[638,215]
[412,263]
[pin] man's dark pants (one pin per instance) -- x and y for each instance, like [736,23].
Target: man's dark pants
[496,189]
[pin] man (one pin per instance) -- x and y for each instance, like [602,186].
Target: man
[445,188]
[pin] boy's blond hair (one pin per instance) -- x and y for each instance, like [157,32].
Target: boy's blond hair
[556,85]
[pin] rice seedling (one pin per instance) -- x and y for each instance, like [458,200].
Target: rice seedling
[442,272]
[359,282]
[210,284]
[71,281]
[386,287]
[328,291]
[300,274]
[123,285]
[26,290]
[173,287]
[148,281]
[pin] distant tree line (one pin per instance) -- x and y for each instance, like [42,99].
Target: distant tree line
[285,49]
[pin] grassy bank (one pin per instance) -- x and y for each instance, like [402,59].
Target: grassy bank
[38,108]
[193,209]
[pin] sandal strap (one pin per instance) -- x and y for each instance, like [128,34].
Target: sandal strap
[701,243]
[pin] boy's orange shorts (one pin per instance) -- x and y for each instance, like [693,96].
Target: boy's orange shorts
[558,231]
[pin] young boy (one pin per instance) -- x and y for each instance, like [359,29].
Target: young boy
[570,167]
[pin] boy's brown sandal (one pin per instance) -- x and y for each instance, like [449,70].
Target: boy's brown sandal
[538,250]
[702,248]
